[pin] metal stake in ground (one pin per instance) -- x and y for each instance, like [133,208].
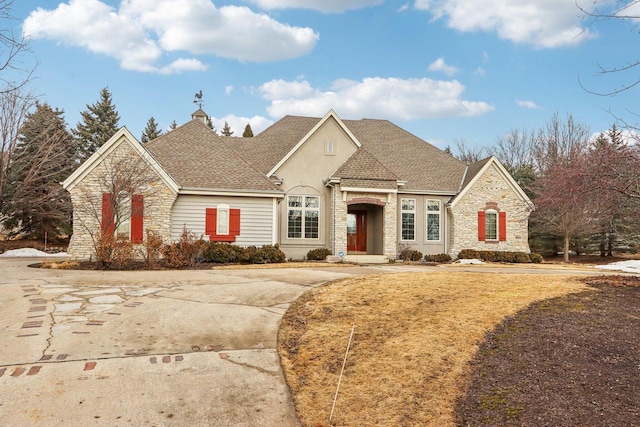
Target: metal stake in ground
[344,362]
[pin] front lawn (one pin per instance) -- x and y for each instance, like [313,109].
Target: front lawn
[415,334]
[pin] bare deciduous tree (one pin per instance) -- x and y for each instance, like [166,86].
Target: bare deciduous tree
[467,153]
[15,104]
[12,47]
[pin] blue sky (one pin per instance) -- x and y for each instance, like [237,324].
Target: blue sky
[442,69]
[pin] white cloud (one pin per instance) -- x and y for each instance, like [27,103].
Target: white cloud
[228,89]
[440,65]
[326,6]
[238,123]
[480,72]
[141,32]
[376,97]
[404,7]
[541,23]
[530,105]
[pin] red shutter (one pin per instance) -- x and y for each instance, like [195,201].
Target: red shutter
[211,222]
[234,222]
[503,226]
[481,227]
[137,218]
[107,214]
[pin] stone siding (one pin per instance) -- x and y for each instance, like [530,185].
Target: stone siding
[490,188]
[86,197]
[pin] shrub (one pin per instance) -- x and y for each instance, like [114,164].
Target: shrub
[219,253]
[112,253]
[439,258]
[469,254]
[187,251]
[272,254]
[500,256]
[151,248]
[319,254]
[536,258]
[407,254]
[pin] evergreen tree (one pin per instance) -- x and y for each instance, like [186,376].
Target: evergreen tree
[151,131]
[248,132]
[173,125]
[226,130]
[99,123]
[43,158]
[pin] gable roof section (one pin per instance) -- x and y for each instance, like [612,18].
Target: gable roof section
[425,168]
[198,159]
[268,147]
[476,170]
[121,136]
[362,170]
[331,114]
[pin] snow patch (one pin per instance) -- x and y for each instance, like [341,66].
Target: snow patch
[30,253]
[470,261]
[631,266]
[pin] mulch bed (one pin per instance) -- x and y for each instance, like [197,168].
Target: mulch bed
[568,361]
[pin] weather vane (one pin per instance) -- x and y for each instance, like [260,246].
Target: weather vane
[198,99]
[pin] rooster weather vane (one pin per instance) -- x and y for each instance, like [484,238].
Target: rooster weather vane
[198,99]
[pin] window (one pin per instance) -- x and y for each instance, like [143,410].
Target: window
[329,148]
[125,211]
[222,224]
[408,215]
[491,225]
[303,217]
[433,220]
[222,220]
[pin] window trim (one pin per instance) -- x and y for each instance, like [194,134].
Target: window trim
[303,217]
[428,213]
[408,211]
[219,219]
[486,228]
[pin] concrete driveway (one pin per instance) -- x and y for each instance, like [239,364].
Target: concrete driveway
[146,348]
[153,347]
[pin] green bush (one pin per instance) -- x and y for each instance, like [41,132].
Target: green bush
[319,254]
[500,256]
[410,255]
[469,254]
[535,258]
[439,258]
[225,253]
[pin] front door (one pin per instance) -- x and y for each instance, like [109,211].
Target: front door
[357,231]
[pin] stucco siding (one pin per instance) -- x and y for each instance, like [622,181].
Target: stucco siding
[420,241]
[491,188]
[256,217]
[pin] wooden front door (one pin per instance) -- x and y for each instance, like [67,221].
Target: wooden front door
[357,231]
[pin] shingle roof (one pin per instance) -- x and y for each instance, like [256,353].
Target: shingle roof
[363,165]
[473,170]
[424,167]
[195,157]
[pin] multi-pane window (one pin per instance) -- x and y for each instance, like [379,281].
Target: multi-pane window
[303,217]
[123,218]
[408,215]
[222,220]
[433,220]
[491,225]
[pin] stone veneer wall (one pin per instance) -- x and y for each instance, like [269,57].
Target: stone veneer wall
[390,230]
[490,187]
[86,198]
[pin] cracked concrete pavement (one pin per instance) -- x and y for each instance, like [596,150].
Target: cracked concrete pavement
[147,347]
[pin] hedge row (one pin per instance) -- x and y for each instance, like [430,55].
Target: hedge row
[498,256]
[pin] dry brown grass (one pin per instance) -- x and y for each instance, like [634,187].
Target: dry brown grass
[414,336]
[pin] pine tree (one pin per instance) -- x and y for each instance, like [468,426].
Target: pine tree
[99,123]
[173,125]
[248,132]
[151,131]
[226,130]
[37,203]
